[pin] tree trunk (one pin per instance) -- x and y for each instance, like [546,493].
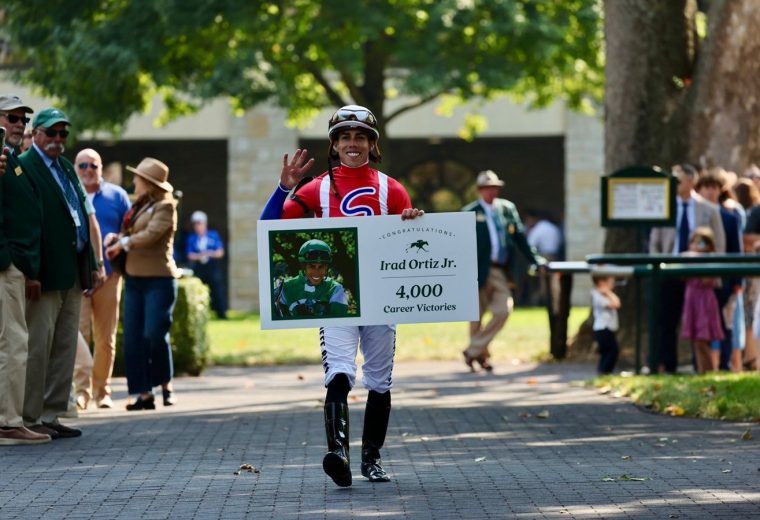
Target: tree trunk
[650,52]
[725,127]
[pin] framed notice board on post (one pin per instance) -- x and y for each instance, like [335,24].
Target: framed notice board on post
[639,196]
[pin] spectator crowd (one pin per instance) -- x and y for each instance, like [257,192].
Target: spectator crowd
[68,240]
[71,243]
[717,212]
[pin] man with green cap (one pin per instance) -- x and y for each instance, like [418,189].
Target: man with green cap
[67,266]
[20,227]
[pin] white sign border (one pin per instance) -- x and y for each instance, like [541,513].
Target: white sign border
[459,227]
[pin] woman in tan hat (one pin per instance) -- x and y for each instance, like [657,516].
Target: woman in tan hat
[150,288]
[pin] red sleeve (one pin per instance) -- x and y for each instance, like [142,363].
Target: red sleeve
[398,198]
[306,194]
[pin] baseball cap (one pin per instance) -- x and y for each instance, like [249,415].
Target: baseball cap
[198,216]
[488,178]
[48,117]
[12,102]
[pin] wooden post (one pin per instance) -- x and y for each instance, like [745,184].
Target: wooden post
[559,287]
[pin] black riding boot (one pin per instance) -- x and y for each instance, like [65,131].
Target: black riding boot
[336,463]
[376,417]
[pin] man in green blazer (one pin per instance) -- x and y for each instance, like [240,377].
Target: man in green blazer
[499,234]
[67,266]
[20,228]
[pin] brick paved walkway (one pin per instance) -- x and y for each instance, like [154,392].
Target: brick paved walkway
[459,446]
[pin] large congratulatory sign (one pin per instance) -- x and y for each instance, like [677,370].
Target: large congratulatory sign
[379,270]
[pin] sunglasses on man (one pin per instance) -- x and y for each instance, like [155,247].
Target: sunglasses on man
[52,133]
[85,165]
[13,118]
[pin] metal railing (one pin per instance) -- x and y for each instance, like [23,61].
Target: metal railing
[656,267]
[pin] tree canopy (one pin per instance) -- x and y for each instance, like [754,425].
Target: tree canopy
[106,59]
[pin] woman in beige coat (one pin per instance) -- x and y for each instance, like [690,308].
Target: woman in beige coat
[150,288]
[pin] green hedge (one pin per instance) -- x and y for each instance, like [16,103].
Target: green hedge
[189,340]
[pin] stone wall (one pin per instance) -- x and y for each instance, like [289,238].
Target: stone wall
[584,165]
[256,145]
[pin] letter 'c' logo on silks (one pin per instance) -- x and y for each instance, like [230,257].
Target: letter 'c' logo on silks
[359,210]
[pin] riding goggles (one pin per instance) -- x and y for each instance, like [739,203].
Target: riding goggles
[318,257]
[361,115]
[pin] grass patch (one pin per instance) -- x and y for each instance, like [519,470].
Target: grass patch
[239,340]
[725,396]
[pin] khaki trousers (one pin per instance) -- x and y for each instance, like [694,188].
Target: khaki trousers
[53,324]
[98,321]
[496,297]
[82,366]
[13,346]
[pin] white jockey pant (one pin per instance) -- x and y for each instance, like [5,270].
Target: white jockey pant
[378,344]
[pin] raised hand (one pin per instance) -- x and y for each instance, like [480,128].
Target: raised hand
[293,171]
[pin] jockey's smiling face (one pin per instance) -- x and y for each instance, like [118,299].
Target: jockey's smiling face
[352,147]
[315,272]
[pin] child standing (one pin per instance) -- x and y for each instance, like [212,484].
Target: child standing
[604,304]
[700,320]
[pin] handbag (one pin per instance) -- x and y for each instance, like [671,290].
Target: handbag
[119,263]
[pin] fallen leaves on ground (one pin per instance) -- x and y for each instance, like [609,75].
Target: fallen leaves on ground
[633,479]
[247,467]
[674,410]
[480,459]
[624,477]
[747,435]
[543,414]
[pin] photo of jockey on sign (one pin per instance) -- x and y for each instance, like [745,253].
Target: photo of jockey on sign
[317,290]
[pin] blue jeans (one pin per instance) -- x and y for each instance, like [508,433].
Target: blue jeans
[148,306]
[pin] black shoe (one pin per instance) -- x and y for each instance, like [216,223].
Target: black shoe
[64,432]
[376,416]
[374,471]
[372,465]
[337,468]
[141,403]
[336,462]
[44,430]
[488,367]
[468,361]
[168,396]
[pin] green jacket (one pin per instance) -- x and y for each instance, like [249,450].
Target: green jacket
[60,264]
[299,298]
[20,220]
[515,232]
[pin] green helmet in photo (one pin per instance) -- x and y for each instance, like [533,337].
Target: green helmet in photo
[315,251]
